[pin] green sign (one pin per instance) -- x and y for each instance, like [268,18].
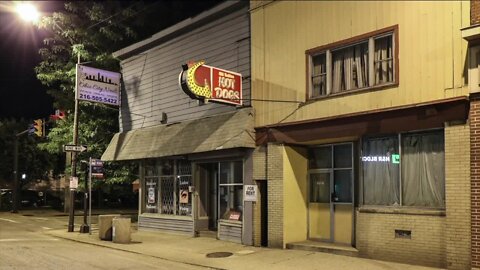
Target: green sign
[396,158]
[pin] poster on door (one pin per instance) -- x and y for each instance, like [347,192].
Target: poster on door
[183,196]
[151,195]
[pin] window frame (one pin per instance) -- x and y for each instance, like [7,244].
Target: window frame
[228,185]
[335,46]
[401,205]
[159,177]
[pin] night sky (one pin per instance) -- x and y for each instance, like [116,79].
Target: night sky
[21,94]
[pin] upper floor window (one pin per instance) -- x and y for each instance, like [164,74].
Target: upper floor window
[357,63]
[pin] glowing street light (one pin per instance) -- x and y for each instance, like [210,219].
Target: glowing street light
[28,12]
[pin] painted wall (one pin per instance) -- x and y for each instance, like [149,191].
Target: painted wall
[151,77]
[295,194]
[432,53]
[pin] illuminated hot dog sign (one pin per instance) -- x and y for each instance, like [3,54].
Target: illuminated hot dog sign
[203,82]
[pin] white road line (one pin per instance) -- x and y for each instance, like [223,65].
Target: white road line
[9,220]
[46,228]
[41,218]
[21,240]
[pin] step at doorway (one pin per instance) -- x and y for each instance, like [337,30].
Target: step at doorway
[317,246]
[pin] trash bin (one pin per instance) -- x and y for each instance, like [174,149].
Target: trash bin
[105,226]
[121,230]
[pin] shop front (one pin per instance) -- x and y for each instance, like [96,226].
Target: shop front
[194,197]
[377,185]
[192,175]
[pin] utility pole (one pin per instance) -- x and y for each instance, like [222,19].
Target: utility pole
[71,215]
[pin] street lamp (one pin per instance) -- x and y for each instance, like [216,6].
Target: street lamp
[28,12]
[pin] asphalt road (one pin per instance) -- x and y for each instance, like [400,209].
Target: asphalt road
[23,245]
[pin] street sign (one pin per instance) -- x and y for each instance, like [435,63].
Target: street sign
[73,182]
[96,162]
[96,166]
[74,148]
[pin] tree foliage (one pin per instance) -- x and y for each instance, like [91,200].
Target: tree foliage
[93,31]
[37,164]
[89,32]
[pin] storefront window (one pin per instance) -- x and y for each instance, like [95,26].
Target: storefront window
[381,177]
[166,187]
[423,173]
[231,190]
[183,181]
[412,175]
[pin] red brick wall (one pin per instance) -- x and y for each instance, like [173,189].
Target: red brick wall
[475,176]
[474,12]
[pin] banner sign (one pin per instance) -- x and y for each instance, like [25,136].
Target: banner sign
[203,82]
[97,85]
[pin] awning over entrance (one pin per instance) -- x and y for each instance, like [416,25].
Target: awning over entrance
[224,131]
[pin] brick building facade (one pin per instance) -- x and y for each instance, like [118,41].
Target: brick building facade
[475,177]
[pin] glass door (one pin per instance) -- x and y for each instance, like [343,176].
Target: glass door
[330,209]
[319,208]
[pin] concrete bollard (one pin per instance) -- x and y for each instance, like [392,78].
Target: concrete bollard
[105,226]
[121,230]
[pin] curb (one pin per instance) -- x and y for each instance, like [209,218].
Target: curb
[134,252]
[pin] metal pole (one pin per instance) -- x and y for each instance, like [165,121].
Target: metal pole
[90,193]
[85,228]
[15,176]
[74,155]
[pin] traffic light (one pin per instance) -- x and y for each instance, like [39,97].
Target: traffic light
[38,127]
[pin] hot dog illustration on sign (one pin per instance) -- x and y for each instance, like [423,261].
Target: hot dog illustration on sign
[203,82]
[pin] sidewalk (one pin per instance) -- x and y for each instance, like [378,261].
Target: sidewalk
[193,251]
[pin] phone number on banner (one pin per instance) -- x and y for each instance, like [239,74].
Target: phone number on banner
[98,99]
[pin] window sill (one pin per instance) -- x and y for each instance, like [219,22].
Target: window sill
[353,92]
[232,223]
[402,210]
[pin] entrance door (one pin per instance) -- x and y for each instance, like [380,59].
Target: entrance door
[330,209]
[208,196]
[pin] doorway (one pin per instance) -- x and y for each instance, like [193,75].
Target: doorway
[208,196]
[330,207]
[262,188]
